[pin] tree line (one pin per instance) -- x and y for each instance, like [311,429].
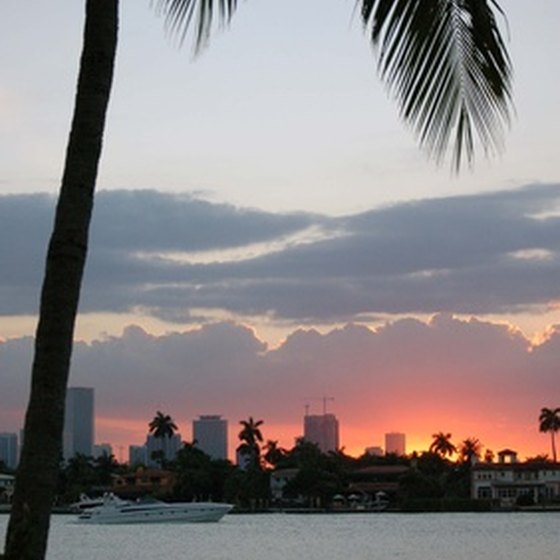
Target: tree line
[443,472]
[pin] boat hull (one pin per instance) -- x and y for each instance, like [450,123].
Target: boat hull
[196,512]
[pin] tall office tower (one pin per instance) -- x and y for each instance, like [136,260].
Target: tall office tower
[395,442]
[210,435]
[78,422]
[156,445]
[9,449]
[321,429]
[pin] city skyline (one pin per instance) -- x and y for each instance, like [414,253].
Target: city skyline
[288,238]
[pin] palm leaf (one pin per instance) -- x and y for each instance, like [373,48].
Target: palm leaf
[448,67]
[179,15]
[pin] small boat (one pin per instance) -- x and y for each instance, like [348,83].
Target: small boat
[115,511]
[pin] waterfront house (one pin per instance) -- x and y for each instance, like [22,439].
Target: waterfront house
[512,482]
[144,481]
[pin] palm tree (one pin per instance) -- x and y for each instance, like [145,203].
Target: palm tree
[549,421]
[450,72]
[274,454]
[442,445]
[470,449]
[251,438]
[161,427]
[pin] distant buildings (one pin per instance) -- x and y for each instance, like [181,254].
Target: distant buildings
[321,429]
[374,451]
[395,443]
[158,448]
[100,449]
[137,455]
[79,422]
[210,435]
[9,449]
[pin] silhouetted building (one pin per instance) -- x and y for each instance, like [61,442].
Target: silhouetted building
[210,435]
[158,448]
[137,455]
[100,449]
[9,449]
[321,429]
[79,422]
[395,442]
[374,451]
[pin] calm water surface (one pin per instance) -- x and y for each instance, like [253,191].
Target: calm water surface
[385,536]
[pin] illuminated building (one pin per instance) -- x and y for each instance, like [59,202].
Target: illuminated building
[395,443]
[321,429]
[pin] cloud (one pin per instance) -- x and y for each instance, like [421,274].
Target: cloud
[466,376]
[179,258]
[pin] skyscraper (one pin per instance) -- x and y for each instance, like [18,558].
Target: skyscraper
[395,442]
[78,422]
[210,435]
[321,429]
[158,448]
[9,449]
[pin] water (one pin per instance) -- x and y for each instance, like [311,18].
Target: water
[383,536]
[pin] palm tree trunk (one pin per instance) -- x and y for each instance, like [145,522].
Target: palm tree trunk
[36,478]
[553,439]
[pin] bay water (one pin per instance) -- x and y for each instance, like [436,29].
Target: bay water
[381,536]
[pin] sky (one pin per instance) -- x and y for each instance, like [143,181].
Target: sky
[267,232]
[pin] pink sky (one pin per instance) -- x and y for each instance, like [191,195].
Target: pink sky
[468,377]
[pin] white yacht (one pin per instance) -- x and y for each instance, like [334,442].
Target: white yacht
[85,502]
[114,510]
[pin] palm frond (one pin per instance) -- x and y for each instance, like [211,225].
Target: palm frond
[449,69]
[181,15]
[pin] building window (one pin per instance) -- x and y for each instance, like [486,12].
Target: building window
[484,493]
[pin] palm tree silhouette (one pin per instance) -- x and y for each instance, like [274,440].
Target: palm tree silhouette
[162,426]
[442,445]
[469,449]
[549,421]
[450,72]
[274,454]
[251,438]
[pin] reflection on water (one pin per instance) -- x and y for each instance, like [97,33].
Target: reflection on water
[383,536]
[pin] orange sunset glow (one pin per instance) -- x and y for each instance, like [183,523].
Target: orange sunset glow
[464,376]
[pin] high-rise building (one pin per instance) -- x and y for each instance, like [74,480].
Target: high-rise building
[210,435]
[395,442]
[9,449]
[158,448]
[321,429]
[78,422]
[137,455]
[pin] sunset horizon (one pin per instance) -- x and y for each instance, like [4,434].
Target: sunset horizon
[464,417]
